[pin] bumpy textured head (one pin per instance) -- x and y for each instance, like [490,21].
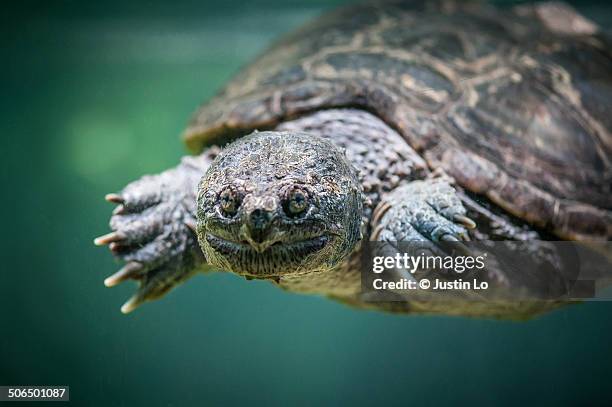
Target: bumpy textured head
[278,203]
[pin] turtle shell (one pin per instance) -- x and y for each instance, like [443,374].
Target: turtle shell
[507,86]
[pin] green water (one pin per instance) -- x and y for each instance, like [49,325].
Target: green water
[94,95]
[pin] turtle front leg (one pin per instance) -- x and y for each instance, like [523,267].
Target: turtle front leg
[153,230]
[426,210]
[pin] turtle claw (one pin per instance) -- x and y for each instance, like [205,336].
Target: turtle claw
[450,238]
[116,248]
[114,198]
[131,270]
[380,211]
[119,210]
[131,304]
[465,221]
[456,244]
[109,238]
[119,200]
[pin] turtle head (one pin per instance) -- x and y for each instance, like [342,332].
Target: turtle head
[279,203]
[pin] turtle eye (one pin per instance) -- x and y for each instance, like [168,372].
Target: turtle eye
[296,202]
[229,201]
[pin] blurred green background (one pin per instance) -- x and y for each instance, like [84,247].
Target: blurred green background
[93,95]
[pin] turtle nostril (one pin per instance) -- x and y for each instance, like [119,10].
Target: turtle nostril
[259,221]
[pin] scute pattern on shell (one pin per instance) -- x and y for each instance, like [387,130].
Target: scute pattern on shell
[498,84]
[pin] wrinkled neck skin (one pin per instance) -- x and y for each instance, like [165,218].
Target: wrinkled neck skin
[293,205]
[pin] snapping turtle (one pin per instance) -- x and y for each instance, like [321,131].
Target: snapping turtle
[390,121]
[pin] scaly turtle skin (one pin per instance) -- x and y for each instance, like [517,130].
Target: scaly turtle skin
[375,111]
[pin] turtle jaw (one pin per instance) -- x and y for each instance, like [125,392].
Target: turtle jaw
[270,260]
